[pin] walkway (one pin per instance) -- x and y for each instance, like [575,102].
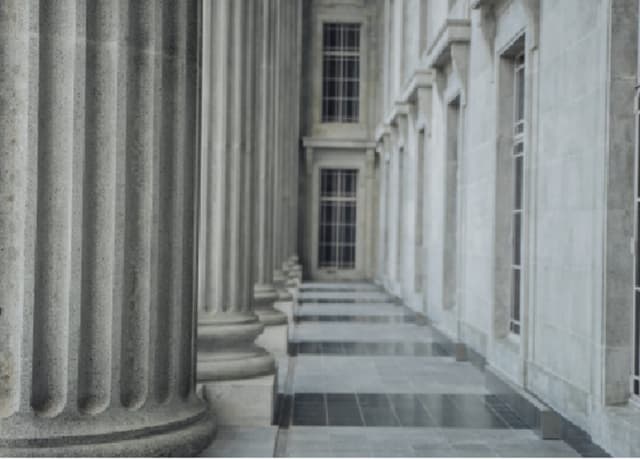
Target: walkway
[367,377]
[370,380]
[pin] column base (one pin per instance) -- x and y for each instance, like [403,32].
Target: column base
[244,402]
[275,338]
[265,296]
[227,349]
[184,436]
[287,308]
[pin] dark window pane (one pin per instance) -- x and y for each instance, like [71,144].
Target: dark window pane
[518,169]
[352,38]
[350,68]
[350,213]
[637,336]
[341,69]
[520,94]
[636,248]
[350,89]
[515,295]
[332,110]
[517,237]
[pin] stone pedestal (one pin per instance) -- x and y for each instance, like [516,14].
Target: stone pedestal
[98,119]
[257,396]
[275,338]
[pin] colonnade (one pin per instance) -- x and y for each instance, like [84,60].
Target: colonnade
[116,220]
[249,146]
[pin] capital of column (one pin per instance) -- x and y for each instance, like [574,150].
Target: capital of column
[227,349]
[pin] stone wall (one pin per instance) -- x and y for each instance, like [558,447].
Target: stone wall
[581,64]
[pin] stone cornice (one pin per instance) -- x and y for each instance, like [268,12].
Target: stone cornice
[420,79]
[349,144]
[382,130]
[453,31]
[398,110]
[477,4]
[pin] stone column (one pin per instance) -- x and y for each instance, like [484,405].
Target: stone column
[295,268]
[280,110]
[98,110]
[264,290]
[275,336]
[229,361]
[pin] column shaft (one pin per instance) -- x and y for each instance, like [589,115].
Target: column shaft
[96,197]
[265,293]
[227,325]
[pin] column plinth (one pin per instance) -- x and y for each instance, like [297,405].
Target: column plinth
[280,282]
[265,296]
[227,349]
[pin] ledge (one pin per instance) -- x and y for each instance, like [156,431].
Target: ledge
[381,130]
[420,79]
[477,4]
[453,31]
[399,109]
[350,144]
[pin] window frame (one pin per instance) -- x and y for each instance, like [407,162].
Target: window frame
[518,149]
[340,55]
[634,379]
[338,201]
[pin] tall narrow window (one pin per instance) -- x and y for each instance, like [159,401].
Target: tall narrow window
[337,238]
[418,257]
[341,73]
[400,222]
[635,379]
[518,191]
[450,261]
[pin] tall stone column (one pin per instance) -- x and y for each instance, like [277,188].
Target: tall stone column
[228,358]
[98,110]
[280,109]
[264,289]
[295,31]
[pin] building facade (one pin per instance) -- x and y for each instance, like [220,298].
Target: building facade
[507,165]
[170,170]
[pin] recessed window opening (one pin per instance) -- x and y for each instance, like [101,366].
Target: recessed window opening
[635,378]
[450,282]
[419,212]
[337,240]
[518,191]
[341,73]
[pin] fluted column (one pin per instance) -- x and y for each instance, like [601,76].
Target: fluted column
[264,290]
[295,271]
[280,109]
[97,113]
[227,323]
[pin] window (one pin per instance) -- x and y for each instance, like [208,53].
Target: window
[400,206]
[341,73]
[337,239]
[518,189]
[418,258]
[635,379]
[450,262]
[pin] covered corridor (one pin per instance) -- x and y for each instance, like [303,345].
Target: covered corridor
[369,377]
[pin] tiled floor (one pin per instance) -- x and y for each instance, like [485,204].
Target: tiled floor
[372,380]
[366,377]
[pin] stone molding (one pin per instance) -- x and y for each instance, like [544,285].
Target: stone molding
[349,144]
